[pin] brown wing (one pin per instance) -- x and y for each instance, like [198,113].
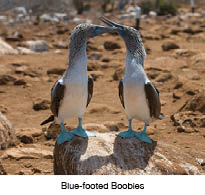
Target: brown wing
[57,94]
[120,87]
[90,89]
[152,95]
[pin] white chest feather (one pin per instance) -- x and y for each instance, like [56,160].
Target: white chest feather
[136,104]
[76,91]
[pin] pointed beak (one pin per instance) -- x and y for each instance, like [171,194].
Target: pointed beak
[110,23]
[98,30]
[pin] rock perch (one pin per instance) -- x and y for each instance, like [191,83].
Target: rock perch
[108,154]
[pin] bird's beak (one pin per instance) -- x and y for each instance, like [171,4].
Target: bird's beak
[98,30]
[110,23]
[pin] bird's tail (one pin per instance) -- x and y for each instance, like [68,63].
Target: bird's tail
[50,119]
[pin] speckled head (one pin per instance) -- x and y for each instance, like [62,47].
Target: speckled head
[131,37]
[81,34]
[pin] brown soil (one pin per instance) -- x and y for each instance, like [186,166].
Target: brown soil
[178,74]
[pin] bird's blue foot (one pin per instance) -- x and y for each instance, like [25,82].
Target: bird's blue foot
[143,137]
[127,134]
[79,131]
[64,136]
[82,132]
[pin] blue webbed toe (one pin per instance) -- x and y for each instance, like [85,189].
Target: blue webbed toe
[143,137]
[64,136]
[82,133]
[127,134]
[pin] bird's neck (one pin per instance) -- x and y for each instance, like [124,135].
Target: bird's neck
[78,57]
[77,63]
[133,64]
[77,50]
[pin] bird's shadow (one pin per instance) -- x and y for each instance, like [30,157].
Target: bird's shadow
[127,154]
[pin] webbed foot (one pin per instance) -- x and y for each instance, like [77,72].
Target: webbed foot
[82,133]
[127,134]
[64,136]
[143,137]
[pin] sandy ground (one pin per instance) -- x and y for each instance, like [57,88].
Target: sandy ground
[179,75]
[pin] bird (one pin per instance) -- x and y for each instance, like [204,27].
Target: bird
[71,94]
[138,95]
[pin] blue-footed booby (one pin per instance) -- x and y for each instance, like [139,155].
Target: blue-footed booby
[138,95]
[71,94]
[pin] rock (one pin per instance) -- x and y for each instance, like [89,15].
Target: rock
[95,56]
[184,53]
[178,95]
[190,92]
[151,37]
[119,73]
[175,31]
[109,45]
[16,37]
[60,45]
[152,14]
[77,20]
[26,139]
[61,16]
[58,71]
[3,109]
[24,70]
[108,154]
[2,170]
[92,67]
[36,170]
[19,10]
[20,82]
[61,31]
[5,48]
[164,77]
[96,74]
[105,60]
[5,79]
[192,31]
[7,134]
[27,153]
[148,50]
[53,131]
[187,121]
[41,105]
[201,161]
[38,46]
[197,37]
[112,126]
[49,18]
[23,50]
[27,135]
[169,46]
[202,122]
[153,73]
[178,85]
[198,61]
[196,103]
[13,39]
[127,16]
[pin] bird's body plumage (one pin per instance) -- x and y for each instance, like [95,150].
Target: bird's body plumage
[76,91]
[134,94]
[138,95]
[72,93]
